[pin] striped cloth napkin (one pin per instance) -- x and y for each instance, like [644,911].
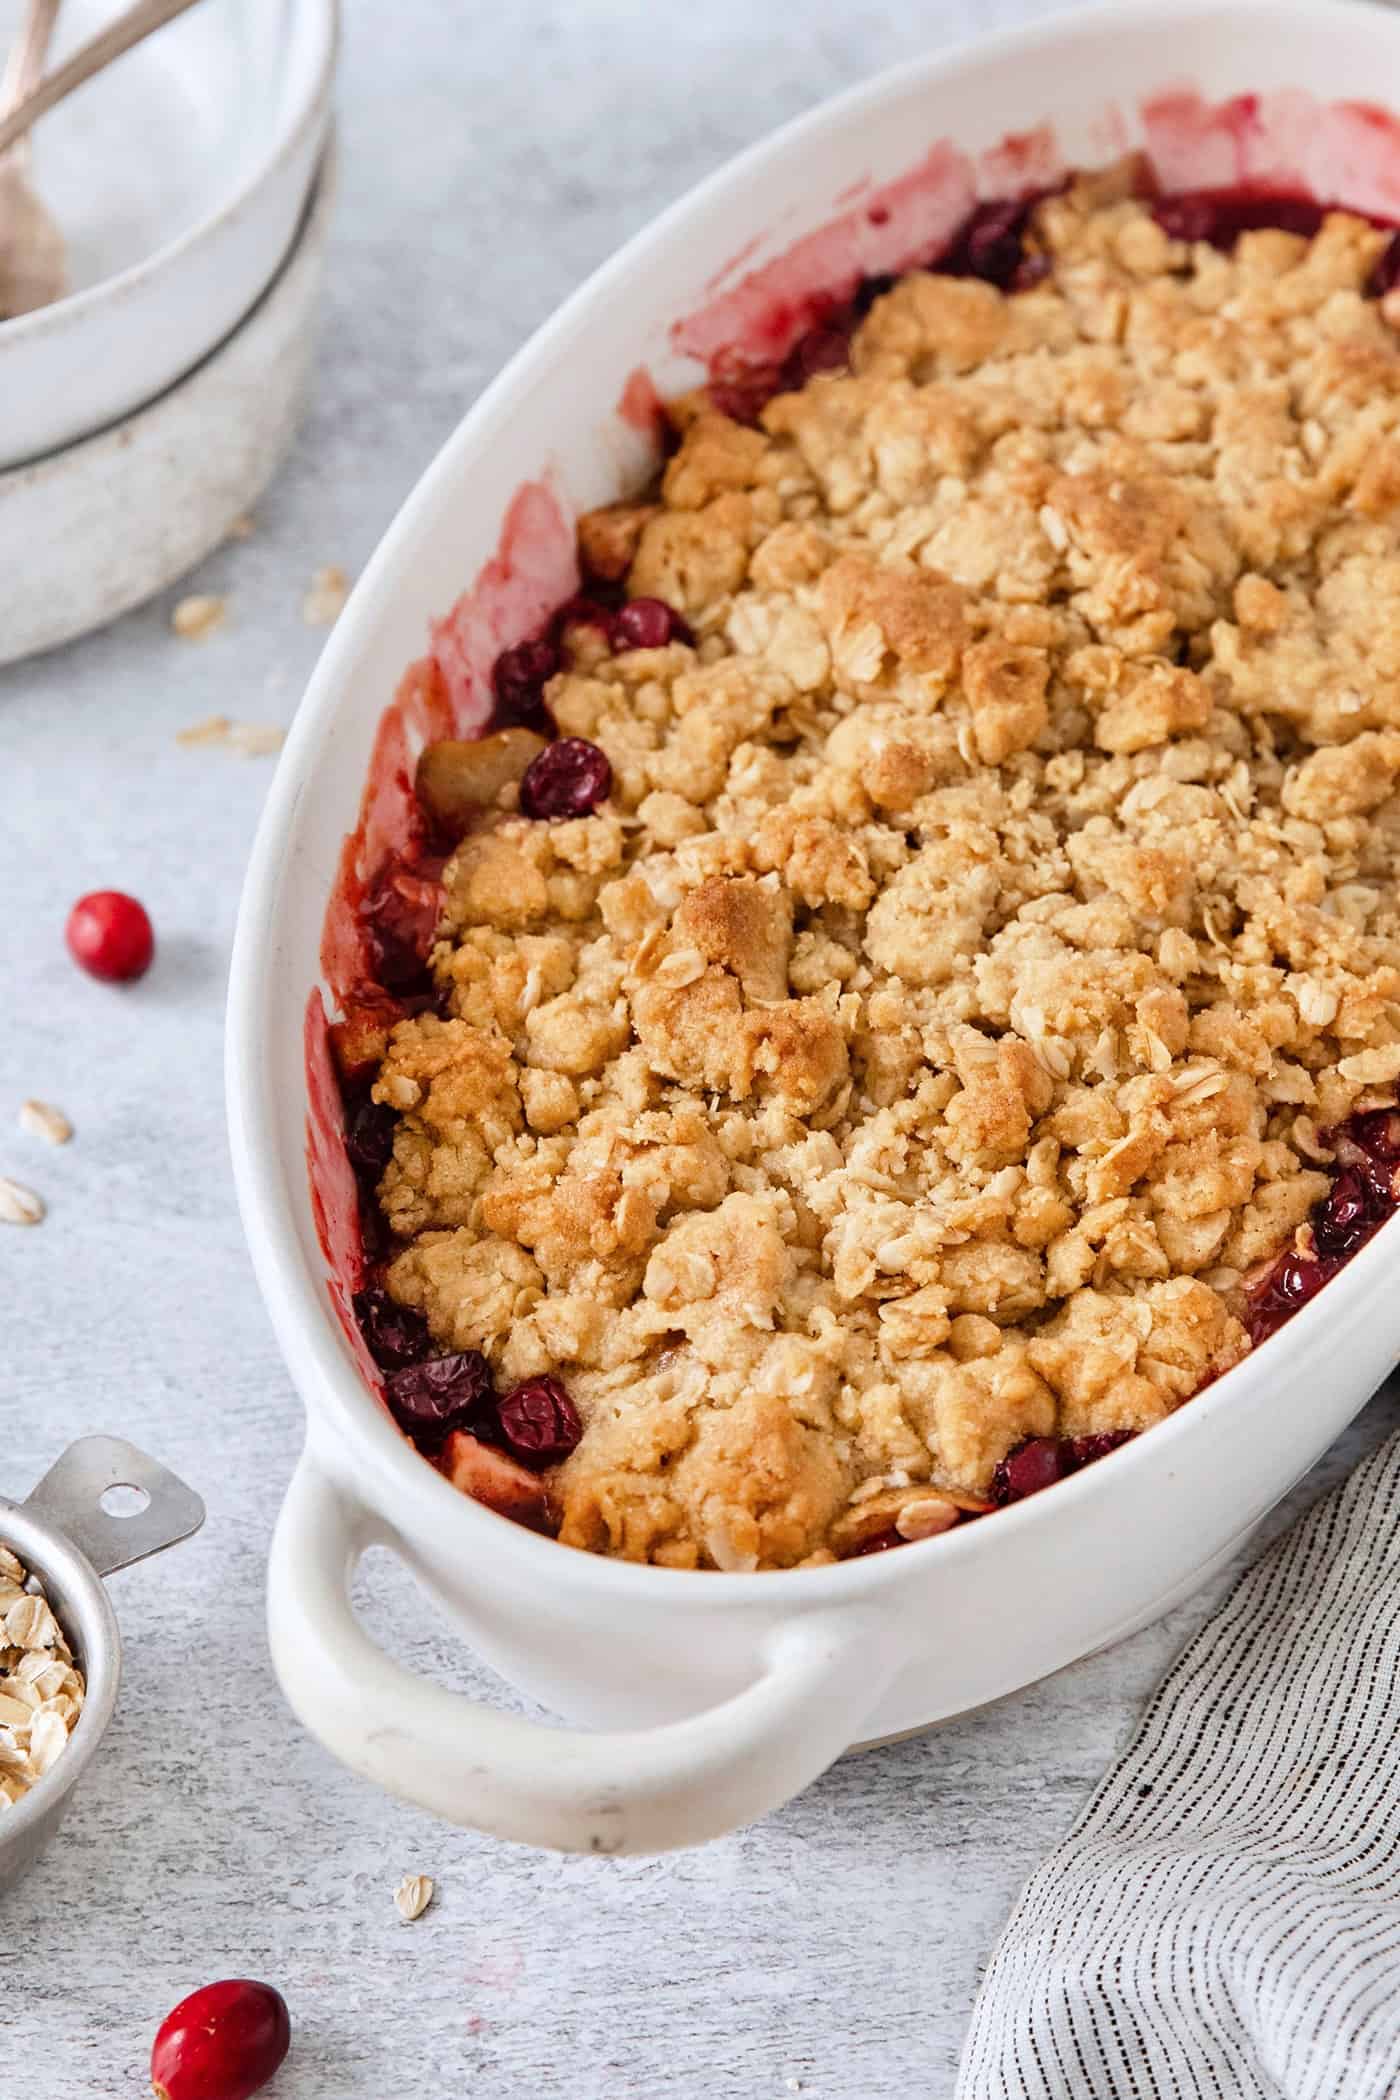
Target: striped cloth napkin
[1224,1921]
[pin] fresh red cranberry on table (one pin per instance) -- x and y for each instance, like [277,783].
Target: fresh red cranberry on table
[394,1334]
[648,623]
[221,2043]
[539,1422]
[568,779]
[110,935]
[428,1399]
[519,678]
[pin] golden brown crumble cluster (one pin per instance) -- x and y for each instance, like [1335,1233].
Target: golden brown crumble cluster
[990,911]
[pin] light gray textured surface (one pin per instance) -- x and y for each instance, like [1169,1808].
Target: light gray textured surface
[488,163]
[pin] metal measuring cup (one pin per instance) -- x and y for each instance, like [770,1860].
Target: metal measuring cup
[68,1542]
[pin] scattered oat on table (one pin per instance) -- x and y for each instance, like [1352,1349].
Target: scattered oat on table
[41,1687]
[42,1119]
[19,1205]
[412,1896]
[195,619]
[322,604]
[221,732]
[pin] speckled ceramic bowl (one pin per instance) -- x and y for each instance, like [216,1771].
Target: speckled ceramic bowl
[179,177]
[105,523]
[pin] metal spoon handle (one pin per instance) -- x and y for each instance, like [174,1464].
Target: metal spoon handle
[131,28]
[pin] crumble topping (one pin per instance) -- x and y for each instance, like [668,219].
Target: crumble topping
[991,916]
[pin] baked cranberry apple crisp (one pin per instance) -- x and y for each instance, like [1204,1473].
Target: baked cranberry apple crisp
[907,990]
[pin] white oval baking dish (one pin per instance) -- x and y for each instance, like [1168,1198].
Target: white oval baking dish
[718,1696]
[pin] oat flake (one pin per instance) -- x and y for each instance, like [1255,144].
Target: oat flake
[19,1205]
[195,618]
[321,607]
[412,1896]
[42,1119]
[41,1687]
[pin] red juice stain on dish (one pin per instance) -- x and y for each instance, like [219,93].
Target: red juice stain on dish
[988,242]
[1287,142]
[447,693]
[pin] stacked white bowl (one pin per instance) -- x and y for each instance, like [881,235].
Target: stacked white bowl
[141,414]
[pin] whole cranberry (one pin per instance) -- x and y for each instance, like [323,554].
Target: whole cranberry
[742,392]
[992,242]
[1340,1222]
[401,912]
[440,1394]
[394,1334]
[369,1138]
[539,1422]
[568,779]
[1378,1132]
[221,2043]
[1294,1281]
[519,679]
[648,623]
[110,935]
[583,612]
[1036,1464]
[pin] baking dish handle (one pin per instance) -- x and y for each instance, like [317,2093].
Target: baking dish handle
[641,1790]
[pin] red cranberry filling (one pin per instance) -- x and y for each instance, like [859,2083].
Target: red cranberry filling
[401,913]
[1221,216]
[648,623]
[1042,1460]
[396,1335]
[991,244]
[583,612]
[369,1138]
[519,679]
[568,779]
[1361,1198]
[539,1422]
[440,1394]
